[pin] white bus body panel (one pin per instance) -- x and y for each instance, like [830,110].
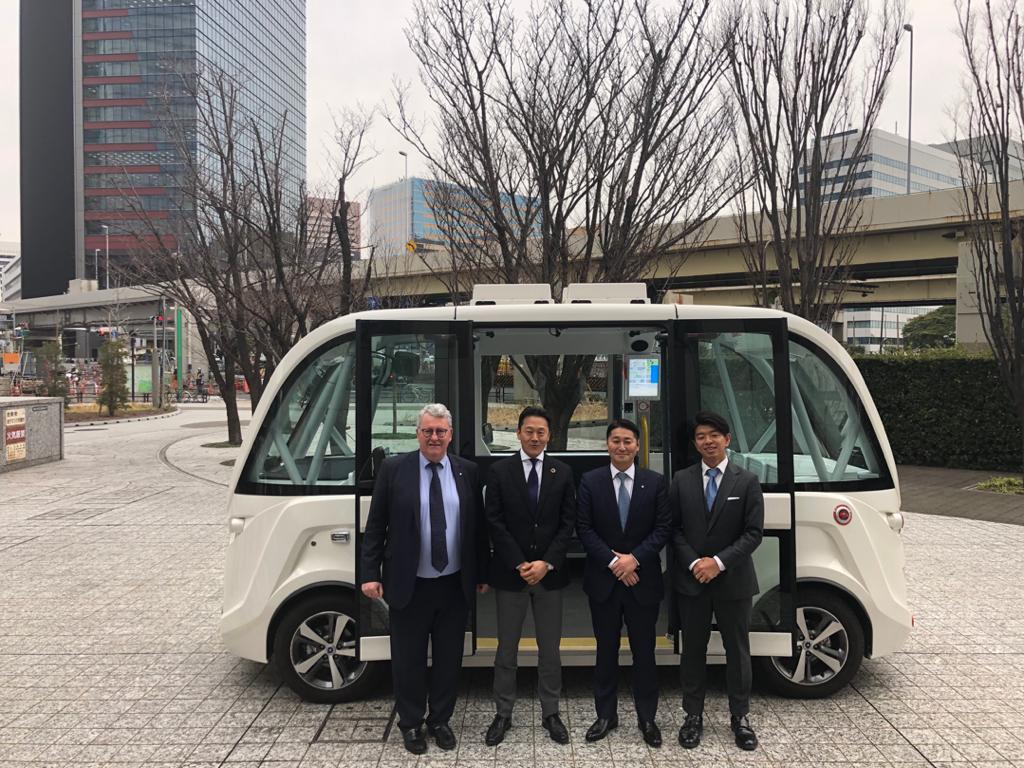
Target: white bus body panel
[274,556]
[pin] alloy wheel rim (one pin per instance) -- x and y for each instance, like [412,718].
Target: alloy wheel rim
[822,648]
[323,651]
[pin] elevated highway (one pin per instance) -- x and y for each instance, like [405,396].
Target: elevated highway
[909,253]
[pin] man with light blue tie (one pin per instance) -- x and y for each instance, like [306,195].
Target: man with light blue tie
[623,521]
[718,513]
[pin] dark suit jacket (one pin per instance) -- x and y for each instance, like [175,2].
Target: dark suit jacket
[733,532]
[518,532]
[648,528]
[391,542]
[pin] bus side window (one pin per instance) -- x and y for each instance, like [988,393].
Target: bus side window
[308,436]
[833,441]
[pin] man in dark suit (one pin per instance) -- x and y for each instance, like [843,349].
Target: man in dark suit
[426,534]
[531,511]
[623,520]
[719,523]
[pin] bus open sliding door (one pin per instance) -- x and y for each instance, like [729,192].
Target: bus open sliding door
[401,366]
[740,369]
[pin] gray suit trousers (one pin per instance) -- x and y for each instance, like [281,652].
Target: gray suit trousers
[547,617]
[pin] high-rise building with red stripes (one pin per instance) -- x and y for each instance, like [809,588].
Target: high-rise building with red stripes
[99,80]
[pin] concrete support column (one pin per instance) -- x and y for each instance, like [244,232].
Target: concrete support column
[969,330]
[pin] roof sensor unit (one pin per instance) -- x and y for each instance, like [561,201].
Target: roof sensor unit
[605,293]
[530,293]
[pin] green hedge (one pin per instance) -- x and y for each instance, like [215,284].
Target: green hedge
[944,409]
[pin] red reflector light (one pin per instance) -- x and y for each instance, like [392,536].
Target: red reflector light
[842,514]
[913,621]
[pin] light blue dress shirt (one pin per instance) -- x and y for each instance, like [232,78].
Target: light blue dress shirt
[453,534]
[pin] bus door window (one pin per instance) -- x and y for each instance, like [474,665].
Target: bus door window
[580,374]
[736,377]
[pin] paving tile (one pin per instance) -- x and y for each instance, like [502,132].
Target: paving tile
[129,553]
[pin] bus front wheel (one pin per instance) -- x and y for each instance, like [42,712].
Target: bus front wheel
[828,648]
[315,651]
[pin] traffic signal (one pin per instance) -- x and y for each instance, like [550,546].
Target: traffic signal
[156,318]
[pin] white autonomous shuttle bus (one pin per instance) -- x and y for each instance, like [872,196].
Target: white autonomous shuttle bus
[831,563]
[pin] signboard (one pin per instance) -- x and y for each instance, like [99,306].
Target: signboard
[11,362]
[642,377]
[14,434]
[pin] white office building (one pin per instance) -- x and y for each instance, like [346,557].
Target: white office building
[979,150]
[875,328]
[881,167]
[10,271]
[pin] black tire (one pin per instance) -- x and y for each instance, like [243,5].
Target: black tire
[820,608]
[319,683]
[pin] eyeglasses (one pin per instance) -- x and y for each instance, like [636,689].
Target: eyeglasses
[431,431]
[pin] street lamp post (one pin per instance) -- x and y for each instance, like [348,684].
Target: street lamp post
[106,236]
[96,265]
[910,98]
[408,186]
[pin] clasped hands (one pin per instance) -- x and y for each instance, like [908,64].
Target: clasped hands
[624,568]
[533,571]
[705,569]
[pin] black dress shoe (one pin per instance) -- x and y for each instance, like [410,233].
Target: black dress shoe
[690,733]
[745,736]
[601,728]
[651,732]
[496,730]
[553,725]
[414,741]
[442,735]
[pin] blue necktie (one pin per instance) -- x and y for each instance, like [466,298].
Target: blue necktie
[711,492]
[533,484]
[438,523]
[623,499]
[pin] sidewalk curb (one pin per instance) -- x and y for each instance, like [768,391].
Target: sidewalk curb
[76,424]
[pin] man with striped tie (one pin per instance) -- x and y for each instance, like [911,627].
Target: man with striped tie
[718,513]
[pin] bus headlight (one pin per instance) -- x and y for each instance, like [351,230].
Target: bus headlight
[896,520]
[236,524]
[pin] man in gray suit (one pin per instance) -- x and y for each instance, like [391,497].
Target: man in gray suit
[531,512]
[719,521]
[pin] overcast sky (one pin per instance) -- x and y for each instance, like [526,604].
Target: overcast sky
[355,47]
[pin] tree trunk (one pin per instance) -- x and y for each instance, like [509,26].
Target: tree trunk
[560,391]
[231,406]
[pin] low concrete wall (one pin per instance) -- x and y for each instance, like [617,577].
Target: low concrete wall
[31,431]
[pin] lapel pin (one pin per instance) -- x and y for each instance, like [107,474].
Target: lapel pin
[642,487]
[553,470]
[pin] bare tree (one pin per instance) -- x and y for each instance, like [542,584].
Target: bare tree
[808,78]
[990,129]
[249,255]
[584,142]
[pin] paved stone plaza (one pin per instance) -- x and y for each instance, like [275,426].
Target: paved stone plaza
[111,567]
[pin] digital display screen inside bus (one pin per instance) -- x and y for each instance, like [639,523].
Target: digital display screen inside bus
[642,377]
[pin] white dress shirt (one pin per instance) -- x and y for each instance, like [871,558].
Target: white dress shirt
[616,482]
[528,466]
[704,475]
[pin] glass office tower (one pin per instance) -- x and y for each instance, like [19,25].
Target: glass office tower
[128,61]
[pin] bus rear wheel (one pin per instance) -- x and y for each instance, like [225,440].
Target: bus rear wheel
[828,648]
[315,651]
